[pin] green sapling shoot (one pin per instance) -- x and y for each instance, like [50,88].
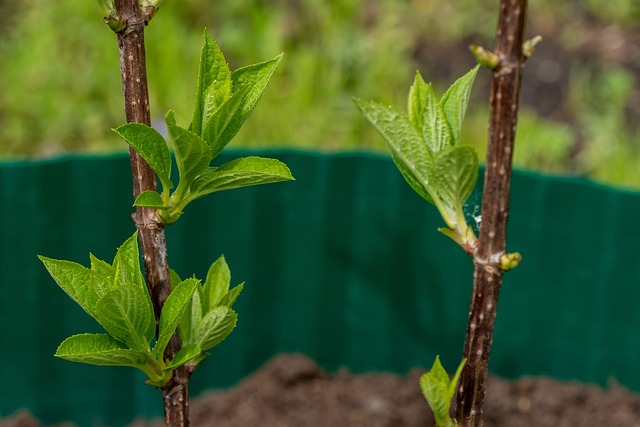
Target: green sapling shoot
[426,147]
[439,391]
[185,317]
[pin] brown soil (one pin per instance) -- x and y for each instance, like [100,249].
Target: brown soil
[292,391]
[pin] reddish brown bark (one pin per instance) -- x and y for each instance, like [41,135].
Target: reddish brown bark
[152,237]
[505,90]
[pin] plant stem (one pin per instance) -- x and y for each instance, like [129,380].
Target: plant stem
[505,90]
[152,237]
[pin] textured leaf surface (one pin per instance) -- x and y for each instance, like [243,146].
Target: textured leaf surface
[253,78]
[408,150]
[230,298]
[193,154]
[216,284]
[435,387]
[214,327]
[456,173]
[127,263]
[185,355]
[213,85]
[428,117]
[218,123]
[99,349]
[192,316]
[126,313]
[151,146]
[172,311]
[243,172]
[149,199]
[76,281]
[103,275]
[454,102]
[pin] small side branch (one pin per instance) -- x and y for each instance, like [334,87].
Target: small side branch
[505,90]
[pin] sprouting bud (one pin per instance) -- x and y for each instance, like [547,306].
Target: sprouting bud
[485,57]
[510,261]
[530,45]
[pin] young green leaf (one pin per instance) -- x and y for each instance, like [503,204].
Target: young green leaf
[456,173]
[126,313]
[254,78]
[213,86]
[103,274]
[102,268]
[230,297]
[407,148]
[439,390]
[238,173]
[150,199]
[214,327]
[426,114]
[127,263]
[193,154]
[174,278]
[454,102]
[216,285]
[78,282]
[151,146]
[220,121]
[185,355]
[172,311]
[100,349]
[192,316]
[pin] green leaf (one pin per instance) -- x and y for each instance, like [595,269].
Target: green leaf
[127,263]
[103,275]
[454,102]
[456,173]
[185,355]
[214,327]
[254,78]
[174,278]
[100,349]
[428,117]
[193,154]
[192,316]
[243,172]
[436,387]
[216,285]
[230,298]
[213,86]
[454,381]
[408,150]
[220,121]
[78,282]
[151,146]
[126,313]
[102,268]
[172,311]
[150,199]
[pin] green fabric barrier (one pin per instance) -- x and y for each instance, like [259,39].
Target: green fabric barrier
[344,264]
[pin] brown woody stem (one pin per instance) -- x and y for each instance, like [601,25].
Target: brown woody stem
[152,237]
[505,90]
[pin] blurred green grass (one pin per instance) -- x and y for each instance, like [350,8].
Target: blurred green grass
[61,87]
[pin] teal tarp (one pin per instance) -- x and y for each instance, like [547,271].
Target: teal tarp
[344,264]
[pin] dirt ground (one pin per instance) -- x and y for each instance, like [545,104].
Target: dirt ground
[293,391]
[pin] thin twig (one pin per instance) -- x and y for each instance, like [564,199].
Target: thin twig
[505,90]
[152,237]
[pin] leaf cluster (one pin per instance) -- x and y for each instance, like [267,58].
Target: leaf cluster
[115,295]
[425,146]
[224,100]
[439,391]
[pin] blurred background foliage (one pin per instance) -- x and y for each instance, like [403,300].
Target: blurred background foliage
[580,113]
